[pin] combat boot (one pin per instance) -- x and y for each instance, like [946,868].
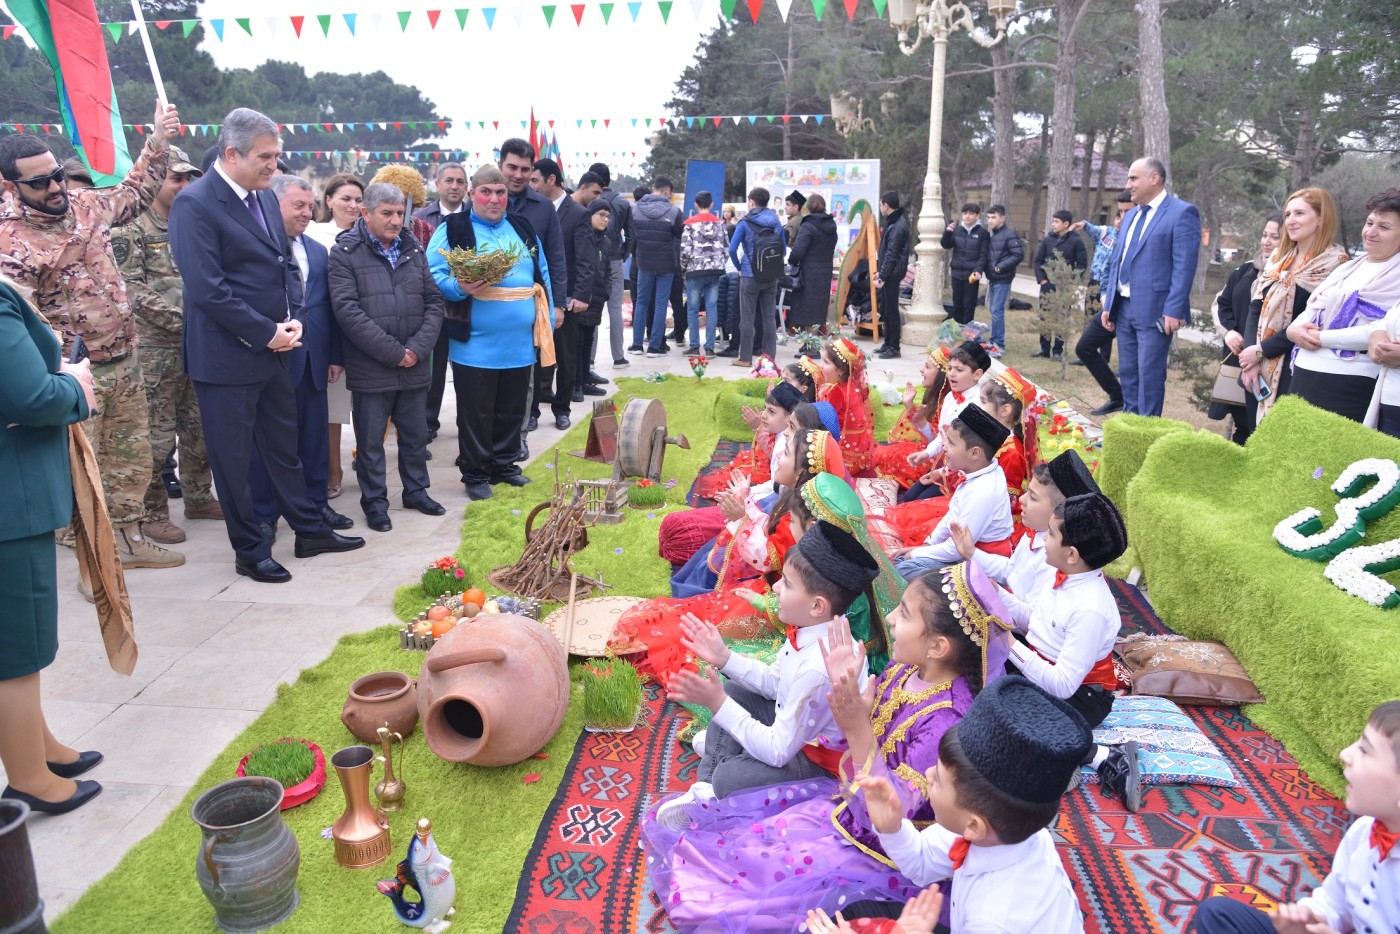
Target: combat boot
[136,551]
[163,530]
[209,510]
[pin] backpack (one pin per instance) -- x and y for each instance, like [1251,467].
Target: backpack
[767,257]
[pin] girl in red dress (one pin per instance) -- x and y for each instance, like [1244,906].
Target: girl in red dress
[848,392]
[914,429]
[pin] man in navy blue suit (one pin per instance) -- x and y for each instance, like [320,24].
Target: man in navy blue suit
[243,293]
[311,366]
[1147,295]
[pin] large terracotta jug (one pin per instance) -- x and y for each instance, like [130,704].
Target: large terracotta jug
[247,864]
[493,691]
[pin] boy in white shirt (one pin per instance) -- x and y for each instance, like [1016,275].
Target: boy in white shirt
[996,788]
[773,723]
[979,503]
[967,364]
[1071,629]
[1362,892]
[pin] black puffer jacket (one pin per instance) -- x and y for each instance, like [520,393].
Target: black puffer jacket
[969,248]
[1004,253]
[657,226]
[382,312]
[894,247]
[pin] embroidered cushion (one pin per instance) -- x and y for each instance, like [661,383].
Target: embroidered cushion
[1172,749]
[1187,672]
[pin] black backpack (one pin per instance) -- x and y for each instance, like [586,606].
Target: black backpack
[767,257]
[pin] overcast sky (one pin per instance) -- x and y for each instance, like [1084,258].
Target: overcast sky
[568,72]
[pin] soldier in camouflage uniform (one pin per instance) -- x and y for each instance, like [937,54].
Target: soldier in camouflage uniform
[56,246]
[142,249]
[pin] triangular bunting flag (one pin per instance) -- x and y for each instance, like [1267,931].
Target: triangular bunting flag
[851,8]
[490,13]
[271,23]
[665,7]
[606,9]
[243,21]
[716,120]
[634,9]
[577,9]
[324,19]
[131,29]
[548,11]
[519,14]
[880,8]
[187,26]
[495,124]
[660,121]
[752,119]
[689,123]
[442,125]
[787,118]
[754,7]
[403,19]
[727,7]
[802,117]
[349,126]
[634,121]
[376,19]
[784,6]
[819,7]
[433,18]
[593,123]
[349,21]
[606,123]
[819,118]
[551,123]
[462,17]
[769,118]
[648,121]
[114,28]
[736,118]
[163,24]
[579,123]
[296,24]
[699,7]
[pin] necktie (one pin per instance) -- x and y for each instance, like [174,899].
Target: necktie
[958,852]
[1060,578]
[1382,839]
[958,397]
[255,210]
[792,636]
[1139,222]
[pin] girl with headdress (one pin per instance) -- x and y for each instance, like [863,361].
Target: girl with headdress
[848,392]
[761,859]
[806,375]
[916,425]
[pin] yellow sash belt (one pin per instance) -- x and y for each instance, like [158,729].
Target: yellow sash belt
[544,315]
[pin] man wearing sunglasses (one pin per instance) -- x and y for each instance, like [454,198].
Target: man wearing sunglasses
[57,244]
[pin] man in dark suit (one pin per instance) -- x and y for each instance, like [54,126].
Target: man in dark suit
[555,384]
[317,362]
[1147,295]
[243,293]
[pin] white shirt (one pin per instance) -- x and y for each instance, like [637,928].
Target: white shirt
[1017,888]
[1352,276]
[1074,624]
[1131,240]
[299,253]
[981,504]
[1389,387]
[797,681]
[1026,572]
[560,200]
[768,487]
[442,209]
[324,233]
[950,410]
[237,188]
[1361,893]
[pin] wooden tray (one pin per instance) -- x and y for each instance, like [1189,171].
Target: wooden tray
[594,620]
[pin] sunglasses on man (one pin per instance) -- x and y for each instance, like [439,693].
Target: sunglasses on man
[43,182]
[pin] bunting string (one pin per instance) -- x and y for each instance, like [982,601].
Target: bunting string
[442,126]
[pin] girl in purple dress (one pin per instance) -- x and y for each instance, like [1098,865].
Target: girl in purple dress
[760,860]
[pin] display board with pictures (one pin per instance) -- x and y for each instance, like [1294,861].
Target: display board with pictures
[847,186]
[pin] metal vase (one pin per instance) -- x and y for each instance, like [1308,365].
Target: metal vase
[248,858]
[362,832]
[21,909]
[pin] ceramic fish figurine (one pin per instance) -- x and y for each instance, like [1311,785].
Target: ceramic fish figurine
[427,872]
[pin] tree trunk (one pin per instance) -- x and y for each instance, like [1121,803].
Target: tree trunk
[1068,14]
[1038,185]
[1003,127]
[1103,171]
[787,97]
[1086,173]
[1305,153]
[1204,197]
[1152,84]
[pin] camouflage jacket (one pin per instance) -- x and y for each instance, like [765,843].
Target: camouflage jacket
[65,265]
[154,287]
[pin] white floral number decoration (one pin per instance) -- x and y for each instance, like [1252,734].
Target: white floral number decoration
[1354,569]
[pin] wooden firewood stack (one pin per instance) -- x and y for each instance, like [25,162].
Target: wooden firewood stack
[543,572]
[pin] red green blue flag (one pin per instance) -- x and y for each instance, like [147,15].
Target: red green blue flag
[69,35]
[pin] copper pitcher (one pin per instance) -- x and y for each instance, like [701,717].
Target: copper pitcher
[362,832]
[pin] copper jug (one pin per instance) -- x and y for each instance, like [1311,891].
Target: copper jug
[362,832]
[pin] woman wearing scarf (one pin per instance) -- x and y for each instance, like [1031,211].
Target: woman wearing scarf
[1230,311]
[1305,257]
[1331,368]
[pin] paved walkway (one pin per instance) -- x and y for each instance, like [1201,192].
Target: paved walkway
[214,646]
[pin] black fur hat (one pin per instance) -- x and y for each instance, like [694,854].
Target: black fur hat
[983,425]
[1024,741]
[839,558]
[981,360]
[1094,526]
[1071,476]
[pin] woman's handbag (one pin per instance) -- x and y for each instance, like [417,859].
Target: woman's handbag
[1228,390]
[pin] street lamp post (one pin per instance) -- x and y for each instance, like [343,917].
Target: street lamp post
[936,19]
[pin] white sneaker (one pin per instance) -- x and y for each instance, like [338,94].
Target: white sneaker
[698,744]
[674,814]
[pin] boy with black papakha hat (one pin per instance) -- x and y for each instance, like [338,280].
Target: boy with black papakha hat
[995,790]
[968,363]
[1026,573]
[773,723]
[979,504]
[1070,630]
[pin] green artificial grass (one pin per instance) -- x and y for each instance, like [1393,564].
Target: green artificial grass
[1126,441]
[1201,517]
[485,819]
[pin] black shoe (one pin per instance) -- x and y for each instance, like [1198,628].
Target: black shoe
[308,546]
[426,505]
[265,571]
[427,454]
[86,760]
[562,422]
[378,521]
[635,348]
[889,353]
[577,394]
[269,532]
[621,361]
[1108,408]
[730,351]
[477,491]
[1076,362]
[334,519]
[593,391]
[1041,353]
[692,351]
[514,479]
[1119,776]
[532,424]
[85,793]
[172,486]
[661,351]
[594,379]
[523,454]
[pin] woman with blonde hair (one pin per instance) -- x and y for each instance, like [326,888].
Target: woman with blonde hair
[1305,256]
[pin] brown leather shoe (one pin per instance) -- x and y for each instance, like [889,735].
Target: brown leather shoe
[163,530]
[209,510]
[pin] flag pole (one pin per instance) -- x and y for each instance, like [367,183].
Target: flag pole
[150,52]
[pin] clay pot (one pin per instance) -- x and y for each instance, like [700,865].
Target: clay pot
[247,863]
[21,909]
[493,691]
[384,698]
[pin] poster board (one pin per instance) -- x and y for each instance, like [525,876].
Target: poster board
[851,188]
[701,175]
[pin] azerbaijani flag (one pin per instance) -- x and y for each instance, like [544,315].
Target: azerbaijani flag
[70,36]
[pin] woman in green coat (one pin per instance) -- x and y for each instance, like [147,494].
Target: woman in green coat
[39,397]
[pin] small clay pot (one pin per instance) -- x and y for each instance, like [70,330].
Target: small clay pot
[384,698]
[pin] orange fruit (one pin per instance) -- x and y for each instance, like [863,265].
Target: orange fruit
[436,613]
[442,627]
[474,595]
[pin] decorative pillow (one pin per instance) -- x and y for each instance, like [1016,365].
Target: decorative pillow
[1187,672]
[1172,749]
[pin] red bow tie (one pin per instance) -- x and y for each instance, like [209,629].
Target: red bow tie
[792,636]
[958,852]
[958,397]
[1382,839]
[1060,578]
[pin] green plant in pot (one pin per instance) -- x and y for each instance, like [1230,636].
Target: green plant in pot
[297,764]
[612,696]
[646,494]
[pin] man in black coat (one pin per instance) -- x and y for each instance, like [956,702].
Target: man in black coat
[656,263]
[893,263]
[1070,246]
[969,243]
[555,384]
[620,243]
[242,293]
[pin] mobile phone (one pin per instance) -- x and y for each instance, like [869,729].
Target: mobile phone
[1160,326]
[79,352]
[1261,389]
